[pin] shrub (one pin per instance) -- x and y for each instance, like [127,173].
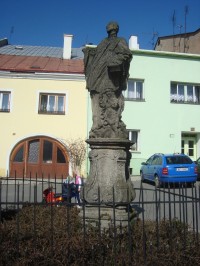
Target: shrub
[49,235]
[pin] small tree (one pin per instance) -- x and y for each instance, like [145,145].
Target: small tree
[77,152]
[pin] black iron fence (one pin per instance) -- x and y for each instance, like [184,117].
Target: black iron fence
[161,228]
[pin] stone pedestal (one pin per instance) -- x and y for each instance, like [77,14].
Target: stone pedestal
[107,217]
[109,181]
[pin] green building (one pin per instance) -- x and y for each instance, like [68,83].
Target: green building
[162,105]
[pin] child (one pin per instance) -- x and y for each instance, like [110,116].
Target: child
[78,183]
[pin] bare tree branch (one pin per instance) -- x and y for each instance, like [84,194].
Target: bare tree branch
[77,152]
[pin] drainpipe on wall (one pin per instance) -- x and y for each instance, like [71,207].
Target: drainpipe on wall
[67,48]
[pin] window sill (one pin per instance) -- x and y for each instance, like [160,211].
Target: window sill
[51,113]
[134,100]
[193,103]
[5,110]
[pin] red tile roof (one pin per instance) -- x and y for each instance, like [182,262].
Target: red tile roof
[40,64]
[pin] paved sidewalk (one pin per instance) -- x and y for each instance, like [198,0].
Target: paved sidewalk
[135,178]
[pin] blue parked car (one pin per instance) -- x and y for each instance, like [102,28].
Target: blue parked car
[198,167]
[169,168]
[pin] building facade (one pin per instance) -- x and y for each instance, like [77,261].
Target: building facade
[42,106]
[180,43]
[162,105]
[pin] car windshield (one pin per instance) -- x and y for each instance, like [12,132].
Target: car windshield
[178,160]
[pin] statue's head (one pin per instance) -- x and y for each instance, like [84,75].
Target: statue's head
[112,26]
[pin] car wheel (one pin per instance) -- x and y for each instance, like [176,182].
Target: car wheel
[142,177]
[157,181]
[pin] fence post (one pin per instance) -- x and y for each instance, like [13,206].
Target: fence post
[0,199]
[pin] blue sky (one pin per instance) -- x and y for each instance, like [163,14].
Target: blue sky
[43,22]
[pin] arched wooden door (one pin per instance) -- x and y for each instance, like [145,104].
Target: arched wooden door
[41,157]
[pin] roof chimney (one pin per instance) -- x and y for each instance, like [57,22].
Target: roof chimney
[133,43]
[67,49]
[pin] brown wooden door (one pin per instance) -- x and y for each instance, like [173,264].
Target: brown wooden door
[39,157]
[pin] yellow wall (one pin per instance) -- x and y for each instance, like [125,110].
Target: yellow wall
[24,121]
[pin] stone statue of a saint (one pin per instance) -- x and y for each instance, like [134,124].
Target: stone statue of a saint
[106,71]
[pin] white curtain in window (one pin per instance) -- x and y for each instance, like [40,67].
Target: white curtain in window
[190,93]
[51,105]
[131,89]
[133,136]
[173,95]
[196,94]
[181,97]
[60,103]
[138,90]
[5,101]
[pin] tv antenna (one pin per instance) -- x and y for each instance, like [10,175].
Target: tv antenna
[174,21]
[154,35]
[11,33]
[180,27]
[186,13]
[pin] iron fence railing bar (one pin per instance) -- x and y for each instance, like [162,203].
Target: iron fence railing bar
[161,203]
[129,210]
[15,195]
[196,215]
[186,205]
[159,210]
[51,229]
[99,210]
[99,225]
[0,201]
[180,202]
[174,200]
[167,191]
[23,188]
[83,220]
[184,219]
[55,184]
[157,217]
[196,212]
[143,226]
[34,215]
[170,219]
[42,183]
[169,199]
[49,180]
[185,202]
[193,214]
[30,180]
[114,225]
[140,189]
[17,217]
[36,184]
[6,192]
[164,204]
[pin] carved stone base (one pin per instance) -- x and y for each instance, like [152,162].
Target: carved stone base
[107,217]
[109,179]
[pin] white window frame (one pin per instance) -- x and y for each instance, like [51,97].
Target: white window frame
[48,109]
[134,135]
[131,92]
[2,93]
[184,93]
